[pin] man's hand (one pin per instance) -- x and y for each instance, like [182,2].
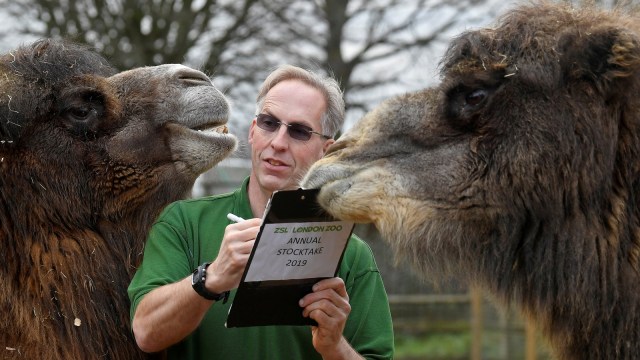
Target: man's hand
[226,271]
[328,305]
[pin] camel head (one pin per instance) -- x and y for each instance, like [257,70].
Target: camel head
[135,136]
[518,172]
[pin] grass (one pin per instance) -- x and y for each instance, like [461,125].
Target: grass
[437,346]
[456,345]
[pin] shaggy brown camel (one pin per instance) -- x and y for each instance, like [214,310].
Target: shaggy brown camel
[518,172]
[88,158]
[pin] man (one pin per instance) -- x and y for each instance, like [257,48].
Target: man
[297,110]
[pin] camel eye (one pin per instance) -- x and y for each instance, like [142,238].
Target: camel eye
[465,104]
[82,113]
[476,97]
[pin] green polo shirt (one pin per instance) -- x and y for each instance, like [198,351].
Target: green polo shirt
[189,232]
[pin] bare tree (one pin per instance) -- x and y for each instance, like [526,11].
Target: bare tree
[142,32]
[371,46]
[608,4]
[216,36]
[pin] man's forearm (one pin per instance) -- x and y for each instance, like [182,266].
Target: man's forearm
[167,315]
[344,351]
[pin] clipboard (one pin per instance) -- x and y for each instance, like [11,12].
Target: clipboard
[298,244]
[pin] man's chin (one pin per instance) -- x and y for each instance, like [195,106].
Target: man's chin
[272,183]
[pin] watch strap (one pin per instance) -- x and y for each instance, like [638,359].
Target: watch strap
[198,283]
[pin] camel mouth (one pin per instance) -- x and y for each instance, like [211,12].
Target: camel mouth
[207,128]
[207,131]
[200,147]
[326,175]
[212,128]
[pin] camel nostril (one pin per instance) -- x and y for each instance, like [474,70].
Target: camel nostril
[193,77]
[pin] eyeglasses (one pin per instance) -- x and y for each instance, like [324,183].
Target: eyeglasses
[297,131]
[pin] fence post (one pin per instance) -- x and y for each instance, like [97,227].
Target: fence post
[476,323]
[531,340]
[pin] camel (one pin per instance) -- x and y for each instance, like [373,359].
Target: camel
[88,159]
[517,173]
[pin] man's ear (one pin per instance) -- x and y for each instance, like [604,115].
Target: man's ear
[251,131]
[326,145]
[606,56]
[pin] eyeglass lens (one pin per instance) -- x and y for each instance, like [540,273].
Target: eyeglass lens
[297,131]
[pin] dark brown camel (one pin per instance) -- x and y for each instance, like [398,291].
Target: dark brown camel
[519,172]
[88,158]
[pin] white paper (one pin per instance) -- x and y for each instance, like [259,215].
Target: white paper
[298,250]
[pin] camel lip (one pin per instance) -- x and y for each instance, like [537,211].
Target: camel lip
[323,174]
[220,129]
[213,126]
[218,125]
[206,132]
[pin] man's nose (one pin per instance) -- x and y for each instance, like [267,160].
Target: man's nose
[281,138]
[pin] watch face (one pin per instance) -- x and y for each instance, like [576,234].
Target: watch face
[195,277]
[197,282]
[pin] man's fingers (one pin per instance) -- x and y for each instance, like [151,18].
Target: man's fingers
[336,284]
[245,230]
[327,301]
[328,307]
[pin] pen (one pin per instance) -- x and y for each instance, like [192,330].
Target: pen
[234,218]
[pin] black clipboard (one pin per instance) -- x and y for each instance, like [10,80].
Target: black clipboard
[275,302]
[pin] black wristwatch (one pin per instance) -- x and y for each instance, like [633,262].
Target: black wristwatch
[197,282]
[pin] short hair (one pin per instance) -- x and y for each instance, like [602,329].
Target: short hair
[333,117]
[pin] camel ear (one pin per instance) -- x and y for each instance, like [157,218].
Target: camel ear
[605,56]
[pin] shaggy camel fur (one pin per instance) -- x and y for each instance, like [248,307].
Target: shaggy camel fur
[88,158]
[518,172]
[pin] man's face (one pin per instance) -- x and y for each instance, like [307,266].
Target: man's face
[279,161]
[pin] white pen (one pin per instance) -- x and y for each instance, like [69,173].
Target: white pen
[234,218]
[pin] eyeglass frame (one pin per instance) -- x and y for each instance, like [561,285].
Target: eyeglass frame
[290,126]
